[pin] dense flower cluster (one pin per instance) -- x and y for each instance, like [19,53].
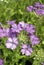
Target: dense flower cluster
[12,33]
[1,62]
[38,8]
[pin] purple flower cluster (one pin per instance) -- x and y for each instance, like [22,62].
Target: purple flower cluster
[38,8]
[1,62]
[14,30]
[28,27]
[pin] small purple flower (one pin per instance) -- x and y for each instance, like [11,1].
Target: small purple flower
[2,31]
[1,62]
[30,8]
[12,43]
[37,4]
[21,25]
[10,33]
[37,8]
[30,29]
[34,40]
[42,6]
[13,27]
[40,12]
[26,49]
[10,22]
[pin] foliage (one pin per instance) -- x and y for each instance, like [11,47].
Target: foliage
[16,10]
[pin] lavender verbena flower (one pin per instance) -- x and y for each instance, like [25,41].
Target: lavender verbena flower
[28,27]
[10,33]
[38,8]
[42,6]
[1,62]
[13,26]
[12,43]
[40,12]
[37,4]
[15,31]
[10,22]
[2,31]
[34,40]
[21,25]
[12,30]
[30,8]
[26,49]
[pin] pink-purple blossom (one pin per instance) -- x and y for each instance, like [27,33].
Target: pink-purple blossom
[1,62]
[34,40]
[37,4]
[38,8]
[26,49]
[30,8]
[12,43]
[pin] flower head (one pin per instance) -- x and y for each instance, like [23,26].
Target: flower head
[26,49]
[30,29]
[30,8]
[12,43]
[40,12]
[34,40]
[10,22]
[38,8]
[37,4]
